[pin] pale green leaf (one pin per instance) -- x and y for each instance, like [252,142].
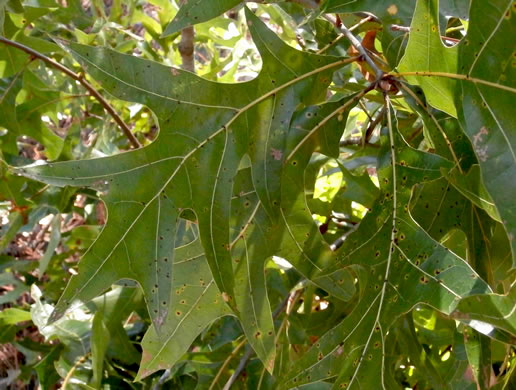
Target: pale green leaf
[426,53]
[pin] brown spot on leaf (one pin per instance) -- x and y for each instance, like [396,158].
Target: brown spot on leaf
[276,154]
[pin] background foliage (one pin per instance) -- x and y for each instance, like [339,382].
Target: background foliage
[277,208]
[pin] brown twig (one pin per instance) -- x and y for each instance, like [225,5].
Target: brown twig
[352,28]
[357,141]
[373,124]
[285,305]
[347,33]
[226,362]
[186,47]
[132,139]
[356,44]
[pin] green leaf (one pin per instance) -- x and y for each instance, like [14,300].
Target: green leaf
[116,306]
[483,312]
[9,88]
[359,188]
[99,343]
[196,302]
[15,223]
[25,118]
[403,263]
[197,11]
[471,186]
[55,237]
[45,368]
[146,188]
[426,53]
[9,318]
[486,112]
[396,11]
[478,349]
[13,315]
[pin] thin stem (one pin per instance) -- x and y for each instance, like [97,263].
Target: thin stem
[357,142]
[364,108]
[72,370]
[352,28]
[241,366]
[226,362]
[372,125]
[356,44]
[339,241]
[347,33]
[414,134]
[162,379]
[337,112]
[132,139]
[249,351]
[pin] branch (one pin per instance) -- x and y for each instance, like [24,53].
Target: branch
[339,241]
[338,111]
[186,47]
[352,28]
[132,139]
[286,304]
[356,44]
[226,362]
[357,142]
[373,124]
[241,365]
[162,379]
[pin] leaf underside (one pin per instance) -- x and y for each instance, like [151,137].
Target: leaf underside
[235,156]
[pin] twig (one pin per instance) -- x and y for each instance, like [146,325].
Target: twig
[373,124]
[285,305]
[343,219]
[414,134]
[226,362]
[162,379]
[339,241]
[186,47]
[72,370]
[356,44]
[241,365]
[356,142]
[337,112]
[352,28]
[132,139]
[364,108]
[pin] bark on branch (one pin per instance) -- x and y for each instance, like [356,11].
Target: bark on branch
[186,47]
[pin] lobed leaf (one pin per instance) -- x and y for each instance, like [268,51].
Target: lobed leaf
[426,53]
[406,267]
[144,190]
[486,111]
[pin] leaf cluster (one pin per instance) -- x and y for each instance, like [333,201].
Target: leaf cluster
[326,201]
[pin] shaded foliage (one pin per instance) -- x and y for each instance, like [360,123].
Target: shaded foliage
[302,212]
